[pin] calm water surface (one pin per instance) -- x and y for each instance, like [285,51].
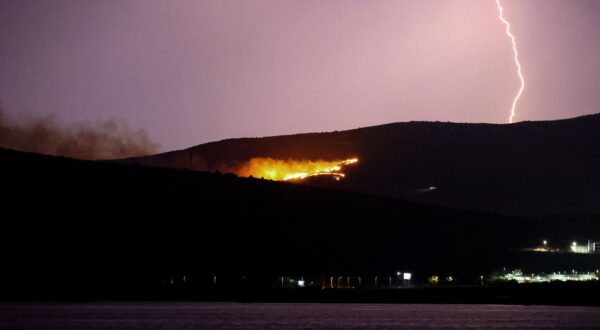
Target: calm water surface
[292,316]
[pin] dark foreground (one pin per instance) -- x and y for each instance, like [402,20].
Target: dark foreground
[150,315]
[90,230]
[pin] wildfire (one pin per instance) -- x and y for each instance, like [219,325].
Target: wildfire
[290,170]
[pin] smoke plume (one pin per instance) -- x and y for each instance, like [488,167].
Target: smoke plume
[112,139]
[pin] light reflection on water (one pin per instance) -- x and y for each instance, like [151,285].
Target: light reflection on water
[292,316]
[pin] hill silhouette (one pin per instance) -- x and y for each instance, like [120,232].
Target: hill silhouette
[526,168]
[80,227]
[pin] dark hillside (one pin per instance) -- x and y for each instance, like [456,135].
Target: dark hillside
[525,168]
[75,225]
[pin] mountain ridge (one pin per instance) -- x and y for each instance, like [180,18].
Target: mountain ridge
[526,168]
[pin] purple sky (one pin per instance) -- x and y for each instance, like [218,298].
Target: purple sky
[190,72]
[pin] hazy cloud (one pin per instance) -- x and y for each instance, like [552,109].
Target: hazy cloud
[83,140]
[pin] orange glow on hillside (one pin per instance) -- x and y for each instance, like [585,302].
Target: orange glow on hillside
[290,170]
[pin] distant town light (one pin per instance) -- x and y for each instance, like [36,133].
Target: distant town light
[407,276]
[398,273]
[434,279]
[574,244]
[545,242]
[563,276]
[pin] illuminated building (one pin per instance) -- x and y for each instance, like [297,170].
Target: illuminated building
[590,247]
[564,276]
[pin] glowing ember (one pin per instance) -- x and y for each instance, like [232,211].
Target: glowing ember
[290,170]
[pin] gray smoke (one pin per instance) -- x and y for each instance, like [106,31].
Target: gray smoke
[84,140]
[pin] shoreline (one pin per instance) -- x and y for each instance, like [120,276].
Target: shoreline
[550,294]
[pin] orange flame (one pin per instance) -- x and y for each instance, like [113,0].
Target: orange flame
[290,170]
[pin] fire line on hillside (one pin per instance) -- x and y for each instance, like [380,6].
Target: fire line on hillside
[293,169]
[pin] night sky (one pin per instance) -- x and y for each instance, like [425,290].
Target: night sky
[190,72]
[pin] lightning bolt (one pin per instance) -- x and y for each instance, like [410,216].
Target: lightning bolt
[516,58]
